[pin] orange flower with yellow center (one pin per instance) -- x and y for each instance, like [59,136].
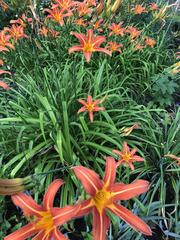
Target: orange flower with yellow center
[90,106]
[150,42]
[45,219]
[117,29]
[16,32]
[4,42]
[114,47]
[58,15]
[139,9]
[104,195]
[128,157]
[89,44]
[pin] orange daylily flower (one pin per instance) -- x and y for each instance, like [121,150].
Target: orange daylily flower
[134,33]
[90,3]
[57,14]
[65,4]
[90,106]
[117,29]
[22,21]
[43,31]
[150,42]
[83,9]
[139,9]
[89,44]
[127,157]
[4,42]
[174,157]
[44,219]
[53,33]
[104,195]
[114,47]
[138,46]
[80,22]
[153,6]
[16,32]
[96,25]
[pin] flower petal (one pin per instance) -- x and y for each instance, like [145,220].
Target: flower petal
[57,235]
[110,172]
[49,196]
[87,56]
[4,85]
[83,109]
[89,179]
[22,233]
[100,225]
[62,215]
[85,208]
[91,116]
[125,147]
[127,191]
[40,235]
[104,50]
[28,205]
[135,222]
[75,49]
[81,37]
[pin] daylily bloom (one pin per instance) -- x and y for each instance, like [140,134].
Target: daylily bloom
[16,32]
[96,25]
[4,42]
[173,157]
[139,9]
[90,2]
[117,29]
[153,6]
[53,33]
[43,31]
[80,22]
[22,21]
[127,157]
[150,42]
[44,219]
[58,15]
[114,47]
[89,44]
[104,195]
[66,4]
[139,46]
[90,106]
[134,33]
[83,9]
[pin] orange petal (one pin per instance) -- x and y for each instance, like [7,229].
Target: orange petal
[100,225]
[85,208]
[135,222]
[62,215]
[22,233]
[87,56]
[40,235]
[28,205]
[110,172]
[91,116]
[127,191]
[83,109]
[4,85]
[89,179]
[125,147]
[58,236]
[49,196]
